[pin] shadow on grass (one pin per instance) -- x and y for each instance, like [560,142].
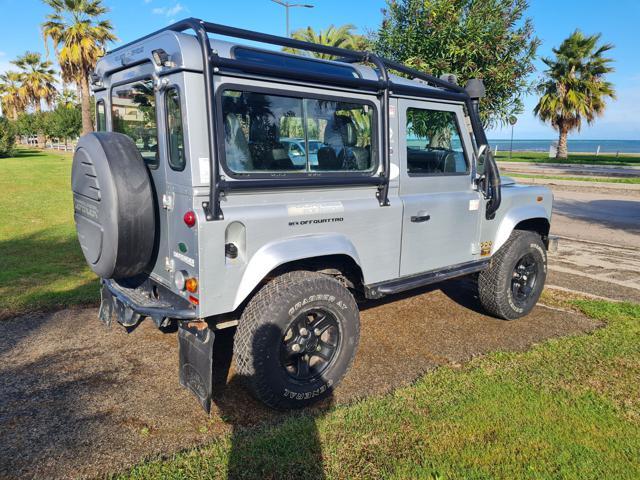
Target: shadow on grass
[43,270]
[29,152]
[282,444]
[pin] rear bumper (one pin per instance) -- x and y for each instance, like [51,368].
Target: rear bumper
[129,305]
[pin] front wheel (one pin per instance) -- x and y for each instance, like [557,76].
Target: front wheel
[512,284]
[296,339]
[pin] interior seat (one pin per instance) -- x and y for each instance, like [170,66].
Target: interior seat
[267,151]
[351,156]
[328,153]
[237,152]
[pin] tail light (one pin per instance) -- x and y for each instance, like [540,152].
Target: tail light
[189,219]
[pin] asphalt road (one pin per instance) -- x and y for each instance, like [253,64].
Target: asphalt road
[599,253]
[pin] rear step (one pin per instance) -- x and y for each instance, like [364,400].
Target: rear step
[129,305]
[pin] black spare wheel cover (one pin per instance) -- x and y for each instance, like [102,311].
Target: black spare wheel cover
[114,205]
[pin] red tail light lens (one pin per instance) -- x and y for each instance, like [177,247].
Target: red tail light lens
[190,219]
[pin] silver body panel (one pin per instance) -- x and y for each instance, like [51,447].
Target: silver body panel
[274,227]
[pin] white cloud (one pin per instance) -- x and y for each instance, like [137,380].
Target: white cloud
[3,54]
[169,11]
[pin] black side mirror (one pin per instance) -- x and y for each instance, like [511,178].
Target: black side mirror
[489,180]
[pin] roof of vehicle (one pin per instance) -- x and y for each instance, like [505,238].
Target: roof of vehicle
[351,68]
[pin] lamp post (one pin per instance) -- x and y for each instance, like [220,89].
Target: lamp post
[287,6]
[512,121]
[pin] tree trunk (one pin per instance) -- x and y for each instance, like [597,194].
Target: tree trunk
[85,98]
[39,136]
[562,144]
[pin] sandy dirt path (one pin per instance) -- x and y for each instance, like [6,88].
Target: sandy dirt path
[79,400]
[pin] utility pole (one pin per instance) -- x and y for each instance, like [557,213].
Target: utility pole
[287,6]
[512,121]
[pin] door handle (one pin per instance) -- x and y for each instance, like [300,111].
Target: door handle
[421,217]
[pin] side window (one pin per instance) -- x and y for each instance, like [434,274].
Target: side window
[175,132]
[133,112]
[101,118]
[434,146]
[266,133]
[340,134]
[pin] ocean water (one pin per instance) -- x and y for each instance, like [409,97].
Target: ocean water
[588,146]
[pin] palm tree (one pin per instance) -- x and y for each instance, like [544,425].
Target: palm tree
[342,37]
[12,94]
[67,98]
[79,38]
[38,79]
[574,88]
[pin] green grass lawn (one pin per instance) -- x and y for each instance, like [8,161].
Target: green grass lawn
[41,264]
[631,180]
[568,408]
[574,158]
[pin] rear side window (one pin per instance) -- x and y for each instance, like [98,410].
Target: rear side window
[434,146]
[101,118]
[277,134]
[175,132]
[133,112]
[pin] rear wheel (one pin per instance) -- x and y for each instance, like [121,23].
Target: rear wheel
[512,284]
[297,338]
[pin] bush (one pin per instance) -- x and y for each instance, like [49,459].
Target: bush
[7,138]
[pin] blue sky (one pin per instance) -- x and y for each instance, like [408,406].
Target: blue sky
[618,20]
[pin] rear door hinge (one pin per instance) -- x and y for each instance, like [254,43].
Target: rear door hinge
[168,201]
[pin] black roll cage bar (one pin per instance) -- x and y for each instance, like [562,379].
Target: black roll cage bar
[214,64]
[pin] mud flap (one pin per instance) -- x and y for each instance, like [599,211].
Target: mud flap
[196,361]
[106,306]
[112,308]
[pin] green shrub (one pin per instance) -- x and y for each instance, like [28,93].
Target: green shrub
[7,138]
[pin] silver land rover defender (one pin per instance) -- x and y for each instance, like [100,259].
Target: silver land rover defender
[230,185]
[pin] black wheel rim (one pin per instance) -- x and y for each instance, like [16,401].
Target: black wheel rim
[524,278]
[310,344]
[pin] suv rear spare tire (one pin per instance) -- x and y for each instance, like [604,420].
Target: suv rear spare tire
[114,207]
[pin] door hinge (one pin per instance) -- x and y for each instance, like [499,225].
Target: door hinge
[169,264]
[167,201]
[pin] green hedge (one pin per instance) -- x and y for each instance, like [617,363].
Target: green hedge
[7,138]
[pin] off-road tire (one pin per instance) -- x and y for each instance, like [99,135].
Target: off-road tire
[261,332]
[494,283]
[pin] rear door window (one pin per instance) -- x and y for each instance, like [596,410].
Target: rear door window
[175,132]
[101,121]
[133,112]
[277,134]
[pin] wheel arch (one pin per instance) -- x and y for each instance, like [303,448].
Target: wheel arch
[531,218]
[334,254]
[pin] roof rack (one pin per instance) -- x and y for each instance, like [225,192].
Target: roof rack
[214,64]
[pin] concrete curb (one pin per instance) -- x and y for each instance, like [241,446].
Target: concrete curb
[577,183]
